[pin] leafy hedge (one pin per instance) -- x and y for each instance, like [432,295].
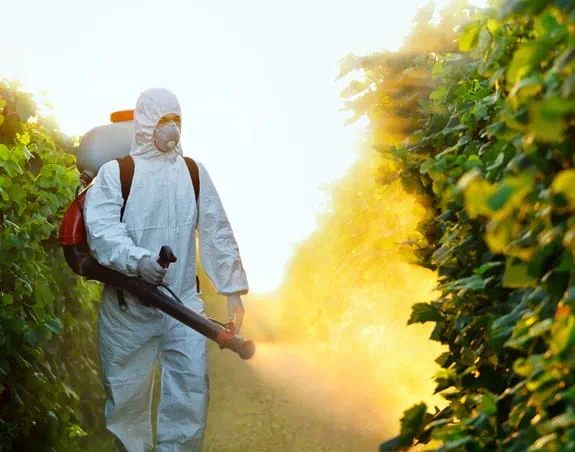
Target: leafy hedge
[49,383]
[495,154]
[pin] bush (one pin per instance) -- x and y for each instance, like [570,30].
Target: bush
[50,392]
[494,152]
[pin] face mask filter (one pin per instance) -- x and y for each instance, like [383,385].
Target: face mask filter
[167,136]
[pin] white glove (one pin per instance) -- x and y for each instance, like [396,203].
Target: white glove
[151,271]
[235,311]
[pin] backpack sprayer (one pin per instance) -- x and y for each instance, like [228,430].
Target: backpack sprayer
[97,147]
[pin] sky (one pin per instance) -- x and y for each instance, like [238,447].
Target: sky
[255,79]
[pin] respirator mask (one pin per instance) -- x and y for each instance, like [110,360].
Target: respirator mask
[167,136]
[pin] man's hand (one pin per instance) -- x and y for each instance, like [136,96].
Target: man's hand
[151,271]
[235,311]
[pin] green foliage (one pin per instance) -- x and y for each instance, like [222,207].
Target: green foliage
[411,424]
[494,152]
[48,378]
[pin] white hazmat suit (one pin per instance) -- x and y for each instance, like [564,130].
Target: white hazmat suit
[160,210]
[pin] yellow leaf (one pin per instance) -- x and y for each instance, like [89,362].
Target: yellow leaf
[516,275]
[477,194]
[500,233]
[569,240]
[525,254]
[564,183]
[470,36]
[493,25]
[23,138]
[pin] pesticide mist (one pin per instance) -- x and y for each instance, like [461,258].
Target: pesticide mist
[337,364]
[333,342]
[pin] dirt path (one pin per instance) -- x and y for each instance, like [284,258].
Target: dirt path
[250,413]
[253,411]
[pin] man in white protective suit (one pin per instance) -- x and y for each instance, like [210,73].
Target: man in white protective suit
[160,210]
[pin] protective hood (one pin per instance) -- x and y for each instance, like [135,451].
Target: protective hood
[152,105]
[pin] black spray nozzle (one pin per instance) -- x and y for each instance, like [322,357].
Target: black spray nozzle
[167,256]
[243,347]
[247,349]
[227,338]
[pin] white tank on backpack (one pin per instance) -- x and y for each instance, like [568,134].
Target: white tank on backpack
[104,143]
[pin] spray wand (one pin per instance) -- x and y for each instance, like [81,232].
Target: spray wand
[221,333]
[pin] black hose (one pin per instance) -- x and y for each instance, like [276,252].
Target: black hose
[172,293]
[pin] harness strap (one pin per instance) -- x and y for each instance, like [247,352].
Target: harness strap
[126,177]
[195,175]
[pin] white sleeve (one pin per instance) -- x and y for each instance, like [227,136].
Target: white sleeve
[107,236]
[219,252]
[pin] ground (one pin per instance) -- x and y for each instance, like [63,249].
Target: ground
[248,412]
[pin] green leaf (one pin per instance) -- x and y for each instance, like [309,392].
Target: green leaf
[70,392]
[518,342]
[568,86]
[456,444]
[424,312]
[486,267]
[42,294]
[4,153]
[568,395]
[517,274]
[54,326]
[547,118]
[75,431]
[498,199]
[568,298]
[411,424]
[540,328]
[475,282]
[488,404]
[32,337]
[392,445]
[7,299]
[528,86]
[567,263]
[524,60]
[17,194]
[511,318]
[442,253]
